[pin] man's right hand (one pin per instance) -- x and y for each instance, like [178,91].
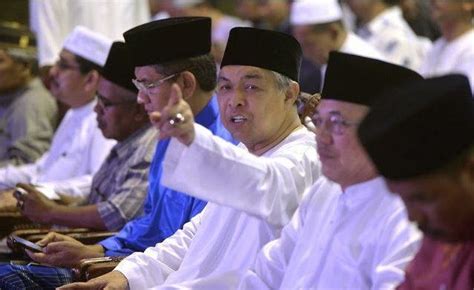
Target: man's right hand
[64,251]
[113,280]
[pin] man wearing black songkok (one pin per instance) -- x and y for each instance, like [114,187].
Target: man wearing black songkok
[421,138]
[253,188]
[349,232]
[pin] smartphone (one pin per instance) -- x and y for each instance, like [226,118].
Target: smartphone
[26,244]
[20,191]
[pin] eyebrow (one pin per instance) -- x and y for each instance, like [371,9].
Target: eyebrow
[245,77]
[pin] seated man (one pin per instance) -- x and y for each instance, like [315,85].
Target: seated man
[158,65]
[350,232]
[78,147]
[254,188]
[421,138]
[28,113]
[119,186]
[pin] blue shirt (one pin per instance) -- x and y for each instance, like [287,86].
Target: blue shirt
[165,210]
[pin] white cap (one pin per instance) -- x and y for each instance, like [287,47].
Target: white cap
[186,3]
[88,44]
[309,12]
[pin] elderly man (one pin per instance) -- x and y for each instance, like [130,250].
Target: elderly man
[349,232]
[254,188]
[318,27]
[453,52]
[114,198]
[28,113]
[383,26]
[424,148]
[78,147]
[158,66]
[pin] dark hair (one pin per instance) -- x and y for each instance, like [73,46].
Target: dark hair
[203,68]
[86,66]
[453,167]
[391,2]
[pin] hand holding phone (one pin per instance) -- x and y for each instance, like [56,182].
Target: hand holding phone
[26,244]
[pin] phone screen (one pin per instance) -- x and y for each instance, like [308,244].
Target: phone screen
[27,244]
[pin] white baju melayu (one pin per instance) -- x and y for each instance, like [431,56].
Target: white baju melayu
[263,191]
[53,20]
[456,56]
[357,239]
[76,153]
[390,34]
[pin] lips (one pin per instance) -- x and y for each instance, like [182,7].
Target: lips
[238,119]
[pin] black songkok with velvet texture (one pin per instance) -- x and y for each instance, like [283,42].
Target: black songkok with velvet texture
[419,128]
[356,79]
[169,39]
[271,50]
[119,68]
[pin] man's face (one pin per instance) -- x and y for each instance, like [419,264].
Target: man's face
[67,82]
[247,9]
[12,73]
[446,11]
[442,205]
[343,159]
[361,8]
[115,110]
[157,98]
[252,107]
[316,44]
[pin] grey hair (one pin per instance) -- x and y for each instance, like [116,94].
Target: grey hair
[282,82]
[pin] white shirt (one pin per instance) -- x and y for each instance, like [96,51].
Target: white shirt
[392,36]
[76,153]
[53,20]
[221,238]
[456,56]
[357,239]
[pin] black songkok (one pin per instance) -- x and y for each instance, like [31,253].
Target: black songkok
[419,128]
[356,79]
[169,39]
[119,68]
[275,51]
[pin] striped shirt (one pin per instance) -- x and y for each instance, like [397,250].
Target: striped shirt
[120,186]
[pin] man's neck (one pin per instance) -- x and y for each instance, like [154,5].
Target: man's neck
[374,11]
[288,127]
[451,31]
[198,101]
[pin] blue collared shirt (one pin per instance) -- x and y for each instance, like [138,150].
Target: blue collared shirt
[165,210]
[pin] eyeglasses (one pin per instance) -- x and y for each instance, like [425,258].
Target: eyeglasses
[61,65]
[108,104]
[334,124]
[147,87]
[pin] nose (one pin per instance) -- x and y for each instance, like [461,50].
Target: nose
[98,108]
[53,71]
[237,99]
[323,134]
[142,97]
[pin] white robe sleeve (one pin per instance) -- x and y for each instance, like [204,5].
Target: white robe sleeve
[395,248]
[152,267]
[272,261]
[215,170]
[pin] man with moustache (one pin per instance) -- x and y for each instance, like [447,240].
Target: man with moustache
[78,147]
[119,186]
[253,189]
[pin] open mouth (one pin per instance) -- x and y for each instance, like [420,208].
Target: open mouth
[238,119]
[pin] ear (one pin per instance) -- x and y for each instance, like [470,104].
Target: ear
[188,84]
[91,81]
[292,93]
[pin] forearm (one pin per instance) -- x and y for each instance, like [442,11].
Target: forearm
[81,216]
